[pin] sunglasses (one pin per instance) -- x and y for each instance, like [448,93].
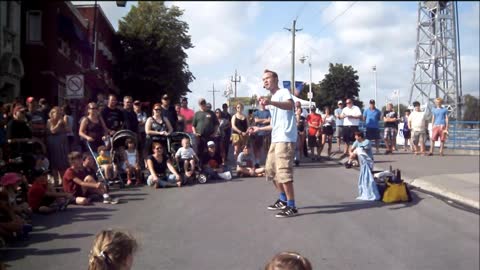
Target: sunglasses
[157,109]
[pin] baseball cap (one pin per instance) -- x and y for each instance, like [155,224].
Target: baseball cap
[202,101]
[339,102]
[165,96]
[210,143]
[136,102]
[184,99]
[10,179]
[30,99]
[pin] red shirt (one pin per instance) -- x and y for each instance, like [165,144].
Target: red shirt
[69,185]
[36,193]
[188,114]
[316,120]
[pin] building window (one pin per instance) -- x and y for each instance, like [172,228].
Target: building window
[63,47]
[34,26]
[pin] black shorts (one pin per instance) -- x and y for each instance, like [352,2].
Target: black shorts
[407,134]
[313,141]
[327,130]
[349,134]
[372,134]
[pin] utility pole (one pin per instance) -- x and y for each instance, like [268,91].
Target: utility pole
[293,30]
[235,80]
[213,93]
[374,68]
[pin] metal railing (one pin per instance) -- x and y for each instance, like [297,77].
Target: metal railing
[464,135]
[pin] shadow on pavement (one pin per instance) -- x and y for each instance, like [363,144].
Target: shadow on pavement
[69,216]
[358,205]
[13,254]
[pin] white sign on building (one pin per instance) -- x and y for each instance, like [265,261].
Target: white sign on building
[74,86]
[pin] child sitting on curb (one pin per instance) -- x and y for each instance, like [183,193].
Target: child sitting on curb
[42,198]
[245,164]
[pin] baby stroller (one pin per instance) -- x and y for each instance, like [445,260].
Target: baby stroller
[174,142]
[115,141]
[118,141]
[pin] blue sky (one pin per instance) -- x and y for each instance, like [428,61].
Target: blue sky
[250,36]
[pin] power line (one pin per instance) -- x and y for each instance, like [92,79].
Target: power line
[318,12]
[330,22]
[300,10]
[272,42]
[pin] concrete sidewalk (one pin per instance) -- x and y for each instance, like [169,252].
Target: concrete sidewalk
[453,176]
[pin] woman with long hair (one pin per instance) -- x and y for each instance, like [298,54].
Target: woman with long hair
[239,130]
[57,143]
[327,128]
[93,128]
[157,128]
[301,134]
[112,250]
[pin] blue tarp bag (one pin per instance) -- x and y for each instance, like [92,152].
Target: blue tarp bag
[367,188]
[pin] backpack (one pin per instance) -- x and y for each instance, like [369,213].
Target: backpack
[394,189]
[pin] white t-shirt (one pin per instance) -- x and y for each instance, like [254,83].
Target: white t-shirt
[418,121]
[284,123]
[349,121]
[185,153]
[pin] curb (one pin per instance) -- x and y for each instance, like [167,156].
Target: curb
[427,187]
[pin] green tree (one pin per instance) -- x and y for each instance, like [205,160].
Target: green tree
[340,83]
[152,58]
[472,109]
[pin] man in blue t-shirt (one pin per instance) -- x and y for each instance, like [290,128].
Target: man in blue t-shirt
[439,125]
[371,116]
[283,127]
[262,119]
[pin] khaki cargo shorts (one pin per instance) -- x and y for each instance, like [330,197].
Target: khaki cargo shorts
[279,164]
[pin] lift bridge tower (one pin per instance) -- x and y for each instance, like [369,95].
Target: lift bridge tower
[437,59]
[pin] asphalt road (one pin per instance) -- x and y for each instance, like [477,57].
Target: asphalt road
[225,225]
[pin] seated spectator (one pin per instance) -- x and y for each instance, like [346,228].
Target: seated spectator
[186,157]
[89,166]
[157,165]
[10,223]
[246,165]
[42,198]
[112,249]
[106,163]
[212,164]
[288,261]
[10,182]
[132,162]
[82,186]
[362,143]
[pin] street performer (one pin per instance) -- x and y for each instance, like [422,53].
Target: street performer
[283,127]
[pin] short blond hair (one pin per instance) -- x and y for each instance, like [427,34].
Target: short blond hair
[439,99]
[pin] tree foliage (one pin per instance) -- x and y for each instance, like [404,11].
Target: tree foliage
[152,58]
[472,109]
[340,83]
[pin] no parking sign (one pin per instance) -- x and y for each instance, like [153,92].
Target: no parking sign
[74,86]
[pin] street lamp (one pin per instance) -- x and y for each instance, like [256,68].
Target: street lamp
[310,95]
[374,68]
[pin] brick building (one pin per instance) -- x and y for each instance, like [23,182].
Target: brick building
[11,65]
[57,42]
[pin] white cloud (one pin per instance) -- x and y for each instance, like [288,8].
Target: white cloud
[217,28]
